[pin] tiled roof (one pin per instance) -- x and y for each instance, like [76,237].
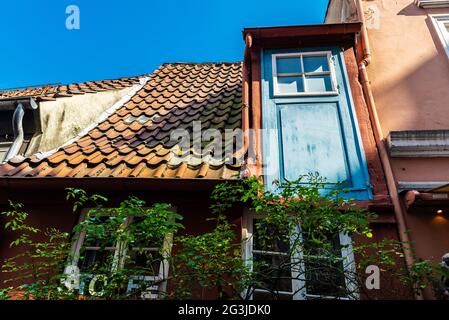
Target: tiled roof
[134,141]
[54,91]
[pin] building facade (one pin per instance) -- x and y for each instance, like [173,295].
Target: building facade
[408,70]
[351,99]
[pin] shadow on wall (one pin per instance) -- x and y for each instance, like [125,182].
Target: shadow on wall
[410,74]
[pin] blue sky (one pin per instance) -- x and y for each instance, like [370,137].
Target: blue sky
[125,38]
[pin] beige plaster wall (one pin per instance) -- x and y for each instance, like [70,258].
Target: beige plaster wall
[409,75]
[410,69]
[64,118]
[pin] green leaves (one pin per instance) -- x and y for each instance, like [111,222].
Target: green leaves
[298,217]
[38,264]
[211,261]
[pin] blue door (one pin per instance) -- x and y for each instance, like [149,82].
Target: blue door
[309,120]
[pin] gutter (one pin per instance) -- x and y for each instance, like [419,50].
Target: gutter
[379,138]
[412,196]
[246,103]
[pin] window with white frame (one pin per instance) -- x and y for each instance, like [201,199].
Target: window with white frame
[286,272]
[302,74]
[147,259]
[441,23]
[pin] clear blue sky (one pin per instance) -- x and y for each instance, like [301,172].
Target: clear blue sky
[131,37]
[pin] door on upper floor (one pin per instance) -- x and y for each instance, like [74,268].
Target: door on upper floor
[309,120]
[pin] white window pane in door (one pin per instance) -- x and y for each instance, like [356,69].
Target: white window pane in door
[288,65]
[290,84]
[316,64]
[312,141]
[321,83]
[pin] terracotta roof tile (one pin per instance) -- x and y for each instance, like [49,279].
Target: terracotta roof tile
[134,141]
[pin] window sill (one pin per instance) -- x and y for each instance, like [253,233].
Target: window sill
[305,94]
[429,4]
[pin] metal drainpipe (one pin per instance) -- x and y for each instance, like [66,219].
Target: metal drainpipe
[17,121]
[391,183]
[246,102]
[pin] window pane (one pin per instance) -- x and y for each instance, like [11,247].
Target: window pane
[316,63]
[143,257]
[288,65]
[273,272]
[447,27]
[144,262]
[142,239]
[290,84]
[268,238]
[96,260]
[327,245]
[102,232]
[312,141]
[324,270]
[319,83]
[324,277]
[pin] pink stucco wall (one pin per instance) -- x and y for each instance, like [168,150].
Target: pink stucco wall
[409,74]
[410,69]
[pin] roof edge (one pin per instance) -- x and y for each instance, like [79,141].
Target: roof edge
[303,30]
[111,183]
[58,84]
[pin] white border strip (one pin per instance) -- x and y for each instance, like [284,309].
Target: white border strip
[429,4]
[106,114]
[439,20]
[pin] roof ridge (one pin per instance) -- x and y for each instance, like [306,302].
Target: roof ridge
[204,63]
[55,85]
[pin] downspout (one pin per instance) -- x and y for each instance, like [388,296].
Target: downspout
[246,104]
[379,138]
[17,126]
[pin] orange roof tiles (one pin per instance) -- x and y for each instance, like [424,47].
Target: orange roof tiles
[55,91]
[134,141]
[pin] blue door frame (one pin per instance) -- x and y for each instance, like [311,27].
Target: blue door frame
[338,145]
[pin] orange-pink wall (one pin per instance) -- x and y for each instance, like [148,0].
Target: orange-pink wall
[409,75]
[410,69]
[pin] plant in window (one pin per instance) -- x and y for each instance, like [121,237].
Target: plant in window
[125,250]
[298,242]
[210,262]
